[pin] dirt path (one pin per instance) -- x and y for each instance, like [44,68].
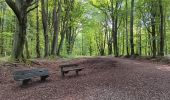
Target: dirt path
[104,78]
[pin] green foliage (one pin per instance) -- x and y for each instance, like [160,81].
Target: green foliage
[91,19]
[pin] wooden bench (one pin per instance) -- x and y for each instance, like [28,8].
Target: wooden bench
[69,67]
[26,75]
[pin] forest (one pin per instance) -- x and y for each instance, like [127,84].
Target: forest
[50,28]
[84,50]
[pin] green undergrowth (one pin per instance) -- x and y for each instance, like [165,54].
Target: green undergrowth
[5,59]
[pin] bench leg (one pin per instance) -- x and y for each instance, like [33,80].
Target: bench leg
[43,78]
[25,82]
[77,72]
[62,74]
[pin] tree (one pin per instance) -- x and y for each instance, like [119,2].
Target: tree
[21,9]
[131,28]
[56,17]
[161,29]
[37,33]
[127,42]
[44,13]
[64,26]
[88,27]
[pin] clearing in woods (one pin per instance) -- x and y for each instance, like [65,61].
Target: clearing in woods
[104,78]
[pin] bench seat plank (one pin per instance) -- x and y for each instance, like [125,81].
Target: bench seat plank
[22,75]
[40,72]
[68,65]
[28,74]
[72,69]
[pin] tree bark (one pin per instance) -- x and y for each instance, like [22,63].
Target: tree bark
[113,25]
[37,33]
[131,28]
[140,40]
[27,50]
[20,8]
[127,42]
[45,27]
[161,29]
[54,48]
[153,33]
[115,41]
[65,22]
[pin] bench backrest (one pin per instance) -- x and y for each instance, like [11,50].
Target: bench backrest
[68,65]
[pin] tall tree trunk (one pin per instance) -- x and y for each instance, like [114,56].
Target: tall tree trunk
[165,34]
[63,32]
[45,26]
[109,47]
[27,50]
[65,22]
[21,34]
[69,39]
[153,33]
[54,48]
[20,40]
[90,48]
[37,33]
[123,44]
[113,26]
[61,43]
[150,46]
[115,41]
[131,28]
[161,29]
[71,31]
[20,8]
[140,40]
[127,42]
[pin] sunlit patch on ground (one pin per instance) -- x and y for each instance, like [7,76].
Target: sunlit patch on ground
[163,67]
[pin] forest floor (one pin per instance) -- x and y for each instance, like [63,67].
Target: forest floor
[104,78]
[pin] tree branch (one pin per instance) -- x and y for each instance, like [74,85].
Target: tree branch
[14,7]
[32,3]
[32,9]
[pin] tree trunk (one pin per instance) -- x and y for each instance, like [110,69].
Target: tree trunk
[45,27]
[61,43]
[20,35]
[27,50]
[115,41]
[37,33]
[131,28]
[140,40]
[20,40]
[123,45]
[20,9]
[113,25]
[127,42]
[161,29]
[109,48]
[54,48]
[63,32]
[153,33]
[165,34]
